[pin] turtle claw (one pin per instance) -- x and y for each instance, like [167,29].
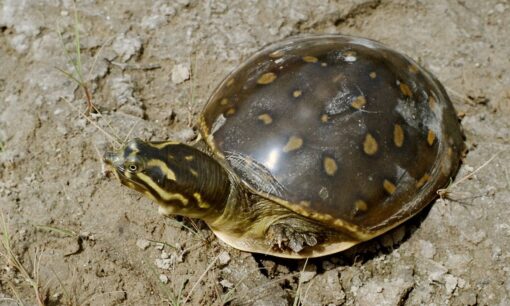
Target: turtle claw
[285,238]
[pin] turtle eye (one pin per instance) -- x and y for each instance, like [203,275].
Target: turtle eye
[132,167]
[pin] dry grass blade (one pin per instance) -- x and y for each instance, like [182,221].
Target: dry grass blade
[163,243]
[200,279]
[194,229]
[297,299]
[77,75]
[8,255]
[443,192]
[258,288]
[109,136]
[70,298]
[64,232]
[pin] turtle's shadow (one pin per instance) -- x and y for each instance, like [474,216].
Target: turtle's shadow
[359,254]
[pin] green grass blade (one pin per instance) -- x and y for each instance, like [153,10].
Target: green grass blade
[77,44]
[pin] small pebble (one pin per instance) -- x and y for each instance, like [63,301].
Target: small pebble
[309,272]
[436,271]
[478,237]
[127,46]
[427,249]
[163,263]
[185,134]
[180,73]
[226,284]
[327,265]
[500,8]
[223,258]
[163,278]
[282,269]
[461,282]
[270,266]
[450,283]
[177,257]
[164,255]
[143,243]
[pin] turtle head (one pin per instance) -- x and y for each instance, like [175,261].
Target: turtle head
[129,164]
[182,179]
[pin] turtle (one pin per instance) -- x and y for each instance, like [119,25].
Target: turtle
[312,145]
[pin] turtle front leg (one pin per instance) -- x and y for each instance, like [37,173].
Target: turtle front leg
[293,234]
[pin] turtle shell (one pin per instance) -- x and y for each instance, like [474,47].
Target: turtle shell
[339,129]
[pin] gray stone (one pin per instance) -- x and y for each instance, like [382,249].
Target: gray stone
[164,264]
[143,243]
[223,258]
[387,292]
[126,46]
[180,73]
[450,283]
[427,249]
[163,278]
[324,289]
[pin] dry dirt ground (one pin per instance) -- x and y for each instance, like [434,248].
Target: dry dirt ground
[89,241]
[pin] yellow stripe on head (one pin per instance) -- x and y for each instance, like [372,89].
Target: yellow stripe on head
[164,168]
[162,145]
[163,194]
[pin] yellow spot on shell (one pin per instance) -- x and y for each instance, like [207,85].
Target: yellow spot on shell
[230,82]
[310,59]
[265,118]
[360,206]
[230,111]
[359,102]
[324,64]
[373,75]
[325,118]
[224,101]
[422,180]
[267,78]
[413,69]
[189,157]
[389,187]
[297,93]
[431,136]
[350,56]
[277,54]
[294,143]
[370,145]
[330,166]
[406,90]
[193,172]
[398,135]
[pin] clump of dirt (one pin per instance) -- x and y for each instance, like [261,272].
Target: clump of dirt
[150,67]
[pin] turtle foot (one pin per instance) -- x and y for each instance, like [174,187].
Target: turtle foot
[286,237]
